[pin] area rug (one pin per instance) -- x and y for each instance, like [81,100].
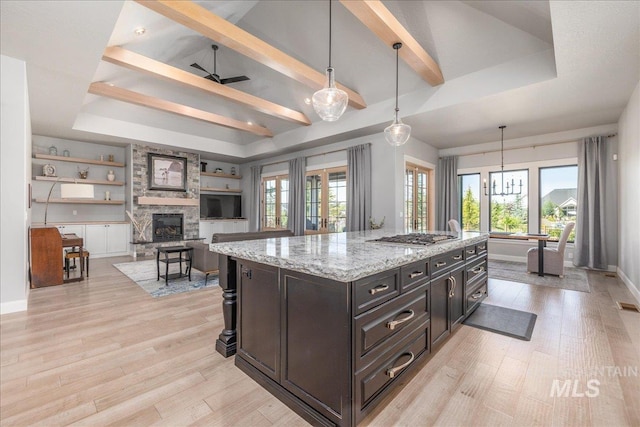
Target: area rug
[144,273]
[574,279]
[504,321]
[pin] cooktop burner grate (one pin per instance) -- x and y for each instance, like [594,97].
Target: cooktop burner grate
[416,239]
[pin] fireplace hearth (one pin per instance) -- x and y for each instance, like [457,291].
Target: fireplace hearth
[167,227]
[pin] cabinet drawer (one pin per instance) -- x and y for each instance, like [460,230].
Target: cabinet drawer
[481,248]
[471,252]
[446,261]
[375,290]
[372,381]
[476,271]
[476,295]
[381,328]
[413,274]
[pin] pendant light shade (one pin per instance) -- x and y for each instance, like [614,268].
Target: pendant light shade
[330,102]
[397,133]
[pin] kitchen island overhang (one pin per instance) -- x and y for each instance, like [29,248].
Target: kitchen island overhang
[327,323]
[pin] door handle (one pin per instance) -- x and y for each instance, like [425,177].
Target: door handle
[246,272]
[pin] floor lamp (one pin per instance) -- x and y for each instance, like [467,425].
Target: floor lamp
[70,191]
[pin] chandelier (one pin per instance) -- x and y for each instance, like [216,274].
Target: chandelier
[397,133]
[510,190]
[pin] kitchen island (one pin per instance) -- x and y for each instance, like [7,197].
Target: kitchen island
[328,323]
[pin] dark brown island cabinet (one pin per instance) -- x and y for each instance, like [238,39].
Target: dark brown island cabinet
[333,350]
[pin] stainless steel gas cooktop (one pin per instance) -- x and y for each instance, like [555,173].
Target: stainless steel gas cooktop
[423,239]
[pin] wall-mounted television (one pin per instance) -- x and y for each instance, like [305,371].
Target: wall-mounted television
[220,206]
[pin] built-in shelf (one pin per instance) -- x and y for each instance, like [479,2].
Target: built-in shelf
[220,175]
[221,190]
[82,201]
[77,160]
[78,180]
[167,201]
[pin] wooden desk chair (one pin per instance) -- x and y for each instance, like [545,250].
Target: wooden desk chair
[73,255]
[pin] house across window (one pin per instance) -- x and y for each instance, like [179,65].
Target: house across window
[558,199]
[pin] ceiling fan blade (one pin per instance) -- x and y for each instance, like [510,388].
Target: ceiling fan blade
[234,79]
[195,65]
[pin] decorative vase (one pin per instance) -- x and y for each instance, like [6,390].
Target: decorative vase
[111,176]
[233,170]
[66,153]
[53,151]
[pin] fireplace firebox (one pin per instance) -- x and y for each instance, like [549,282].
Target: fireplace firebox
[167,227]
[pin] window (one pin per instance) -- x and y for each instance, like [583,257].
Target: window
[558,199]
[469,203]
[275,199]
[509,213]
[326,201]
[418,198]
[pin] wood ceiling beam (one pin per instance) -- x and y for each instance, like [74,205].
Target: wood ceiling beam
[375,16]
[224,32]
[125,95]
[134,61]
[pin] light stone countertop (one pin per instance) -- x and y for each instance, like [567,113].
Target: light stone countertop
[340,256]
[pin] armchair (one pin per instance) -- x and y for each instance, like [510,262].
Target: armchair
[553,258]
[454,225]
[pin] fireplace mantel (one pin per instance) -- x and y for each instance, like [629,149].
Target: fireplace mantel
[167,201]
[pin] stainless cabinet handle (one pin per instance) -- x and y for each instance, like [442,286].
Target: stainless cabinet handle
[246,272]
[416,274]
[441,264]
[392,324]
[452,289]
[477,270]
[477,295]
[392,372]
[482,248]
[471,252]
[457,257]
[378,288]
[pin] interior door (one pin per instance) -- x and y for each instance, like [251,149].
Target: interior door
[326,201]
[275,200]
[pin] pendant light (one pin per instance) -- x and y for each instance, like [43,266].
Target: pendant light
[397,133]
[511,191]
[330,102]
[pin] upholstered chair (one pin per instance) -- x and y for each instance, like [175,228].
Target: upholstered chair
[454,226]
[553,257]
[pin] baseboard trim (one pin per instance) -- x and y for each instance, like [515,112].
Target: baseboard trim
[499,257]
[13,306]
[629,284]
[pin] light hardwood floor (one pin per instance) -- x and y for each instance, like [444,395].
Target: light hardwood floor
[103,352]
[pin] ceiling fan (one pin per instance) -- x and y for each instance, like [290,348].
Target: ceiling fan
[214,76]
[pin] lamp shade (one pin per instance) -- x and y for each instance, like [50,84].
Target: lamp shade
[397,133]
[76,191]
[330,102]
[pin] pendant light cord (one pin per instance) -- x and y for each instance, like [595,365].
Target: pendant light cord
[329,33]
[397,54]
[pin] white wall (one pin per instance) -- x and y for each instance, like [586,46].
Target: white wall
[629,202]
[15,157]
[387,170]
[534,152]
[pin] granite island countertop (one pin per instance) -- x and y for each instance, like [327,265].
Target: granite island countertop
[341,256]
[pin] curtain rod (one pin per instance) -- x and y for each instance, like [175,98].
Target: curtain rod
[311,155]
[526,146]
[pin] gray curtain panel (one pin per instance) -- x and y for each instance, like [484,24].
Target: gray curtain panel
[358,187]
[447,191]
[297,179]
[590,242]
[254,198]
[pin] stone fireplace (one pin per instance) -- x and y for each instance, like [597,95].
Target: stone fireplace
[167,227]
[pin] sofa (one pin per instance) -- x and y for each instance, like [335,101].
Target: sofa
[208,262]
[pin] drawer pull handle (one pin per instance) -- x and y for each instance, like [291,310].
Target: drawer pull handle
[392,325]
[416,274]
[441,264]
[457,257]
[477,270]
[482,248]
[379,288]
[477,295]
[471,252]
[392,372]
[452,289]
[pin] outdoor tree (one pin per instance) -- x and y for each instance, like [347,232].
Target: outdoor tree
[470,211]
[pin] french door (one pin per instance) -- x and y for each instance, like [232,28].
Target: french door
[275,203]
[326,201]
[419,199]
